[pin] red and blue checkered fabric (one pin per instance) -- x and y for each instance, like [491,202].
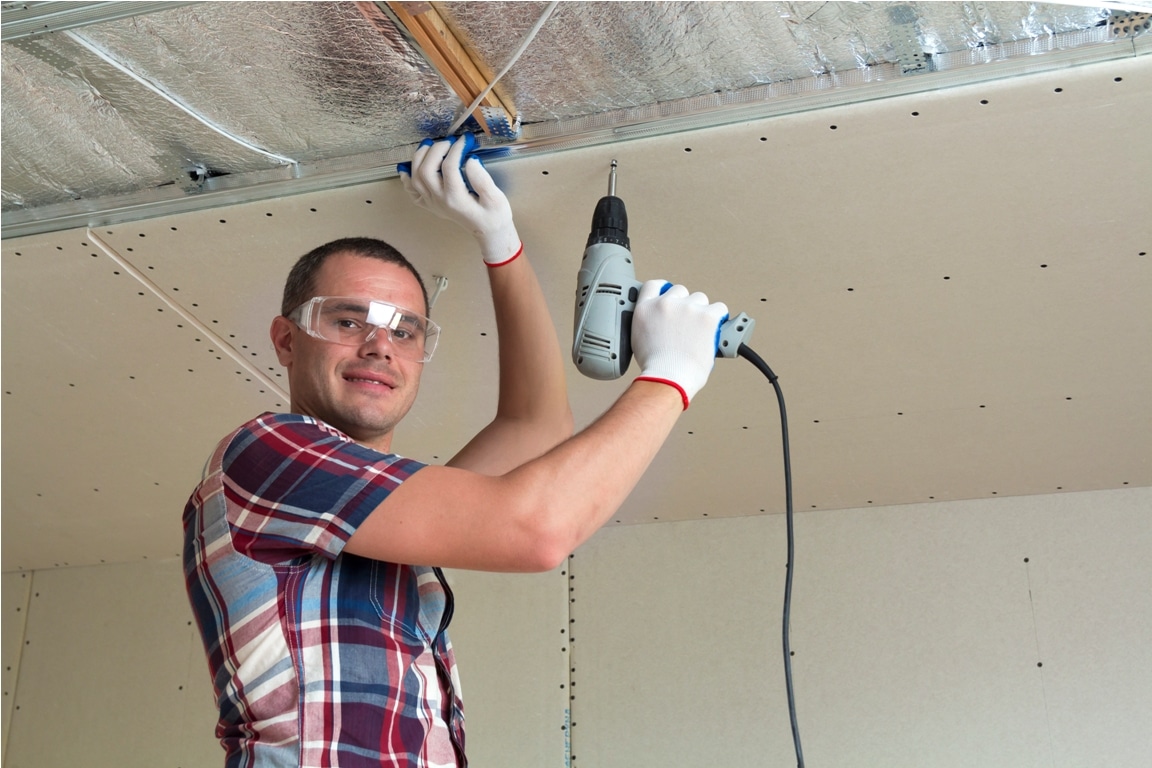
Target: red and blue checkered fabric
[318,658]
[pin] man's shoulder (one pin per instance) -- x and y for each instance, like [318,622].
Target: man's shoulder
[302,437]
[271,423]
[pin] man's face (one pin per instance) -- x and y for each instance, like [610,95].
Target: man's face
[363,390]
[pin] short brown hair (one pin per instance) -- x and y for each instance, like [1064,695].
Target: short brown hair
[301,283]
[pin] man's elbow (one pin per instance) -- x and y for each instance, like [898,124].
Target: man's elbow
[547,541]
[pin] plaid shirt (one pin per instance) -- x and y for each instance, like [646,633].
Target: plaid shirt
[318,658]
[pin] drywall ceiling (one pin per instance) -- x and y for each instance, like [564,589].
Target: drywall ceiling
[952,285]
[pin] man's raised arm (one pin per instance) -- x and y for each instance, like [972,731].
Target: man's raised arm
[532,412]
[532,517]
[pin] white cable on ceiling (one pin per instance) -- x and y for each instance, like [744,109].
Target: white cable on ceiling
[107,58]
[222,344]
[519,51]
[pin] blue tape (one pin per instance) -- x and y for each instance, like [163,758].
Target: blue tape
[665,288]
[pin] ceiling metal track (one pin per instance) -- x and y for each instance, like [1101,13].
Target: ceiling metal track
[30,19]
[664,118]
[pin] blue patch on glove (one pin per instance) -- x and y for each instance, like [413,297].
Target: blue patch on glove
[718,327]
[665,288]
[471,150]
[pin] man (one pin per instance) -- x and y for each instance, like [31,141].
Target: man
[313,553]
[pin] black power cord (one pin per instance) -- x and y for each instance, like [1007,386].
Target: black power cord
[746,352]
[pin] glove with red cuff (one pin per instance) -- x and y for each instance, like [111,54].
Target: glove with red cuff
[674,336]
[435,180]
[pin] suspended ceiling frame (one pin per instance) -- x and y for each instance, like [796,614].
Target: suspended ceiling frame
[992,62]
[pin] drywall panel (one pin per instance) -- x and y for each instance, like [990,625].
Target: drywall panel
[989,632]
[510,634]
[104,434]
[1089,574]
[112,673]
[16,589]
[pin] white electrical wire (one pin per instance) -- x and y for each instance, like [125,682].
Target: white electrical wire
[222,344]
[107,58]
[519,51]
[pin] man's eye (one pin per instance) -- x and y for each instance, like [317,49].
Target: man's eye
[403,334]
[348,324]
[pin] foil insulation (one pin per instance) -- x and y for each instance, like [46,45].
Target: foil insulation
[304,81]
[175,98]
[598,56]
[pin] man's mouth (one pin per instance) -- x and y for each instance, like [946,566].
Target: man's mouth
[368,379]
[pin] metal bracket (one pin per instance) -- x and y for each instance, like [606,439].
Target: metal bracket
[1131,24]
[905,36]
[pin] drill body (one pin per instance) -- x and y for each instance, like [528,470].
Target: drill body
[606,293]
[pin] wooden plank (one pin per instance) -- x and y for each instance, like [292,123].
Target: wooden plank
[464,72]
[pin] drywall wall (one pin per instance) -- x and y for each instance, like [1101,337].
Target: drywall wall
[1007,632]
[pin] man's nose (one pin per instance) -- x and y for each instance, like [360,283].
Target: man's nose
[379,345]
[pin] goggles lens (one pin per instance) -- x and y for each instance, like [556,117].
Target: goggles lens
[352,322]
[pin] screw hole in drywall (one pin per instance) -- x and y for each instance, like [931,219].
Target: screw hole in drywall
[687,149]
[1117,79]
[1058,90]
[832,127]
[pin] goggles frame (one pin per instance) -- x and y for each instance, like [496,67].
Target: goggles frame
[309,315]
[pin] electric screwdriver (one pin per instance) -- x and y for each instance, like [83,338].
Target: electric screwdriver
[606,293]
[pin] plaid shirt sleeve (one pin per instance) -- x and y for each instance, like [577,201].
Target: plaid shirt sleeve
[297,487]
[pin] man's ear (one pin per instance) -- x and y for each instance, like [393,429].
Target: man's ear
[281,332]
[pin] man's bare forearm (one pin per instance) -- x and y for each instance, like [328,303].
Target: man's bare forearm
[532,413]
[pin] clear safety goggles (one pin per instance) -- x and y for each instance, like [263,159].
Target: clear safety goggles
[352,321]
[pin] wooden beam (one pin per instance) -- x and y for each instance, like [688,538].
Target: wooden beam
[464,72]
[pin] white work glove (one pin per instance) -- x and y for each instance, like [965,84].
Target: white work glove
[436,183]
[674,336]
